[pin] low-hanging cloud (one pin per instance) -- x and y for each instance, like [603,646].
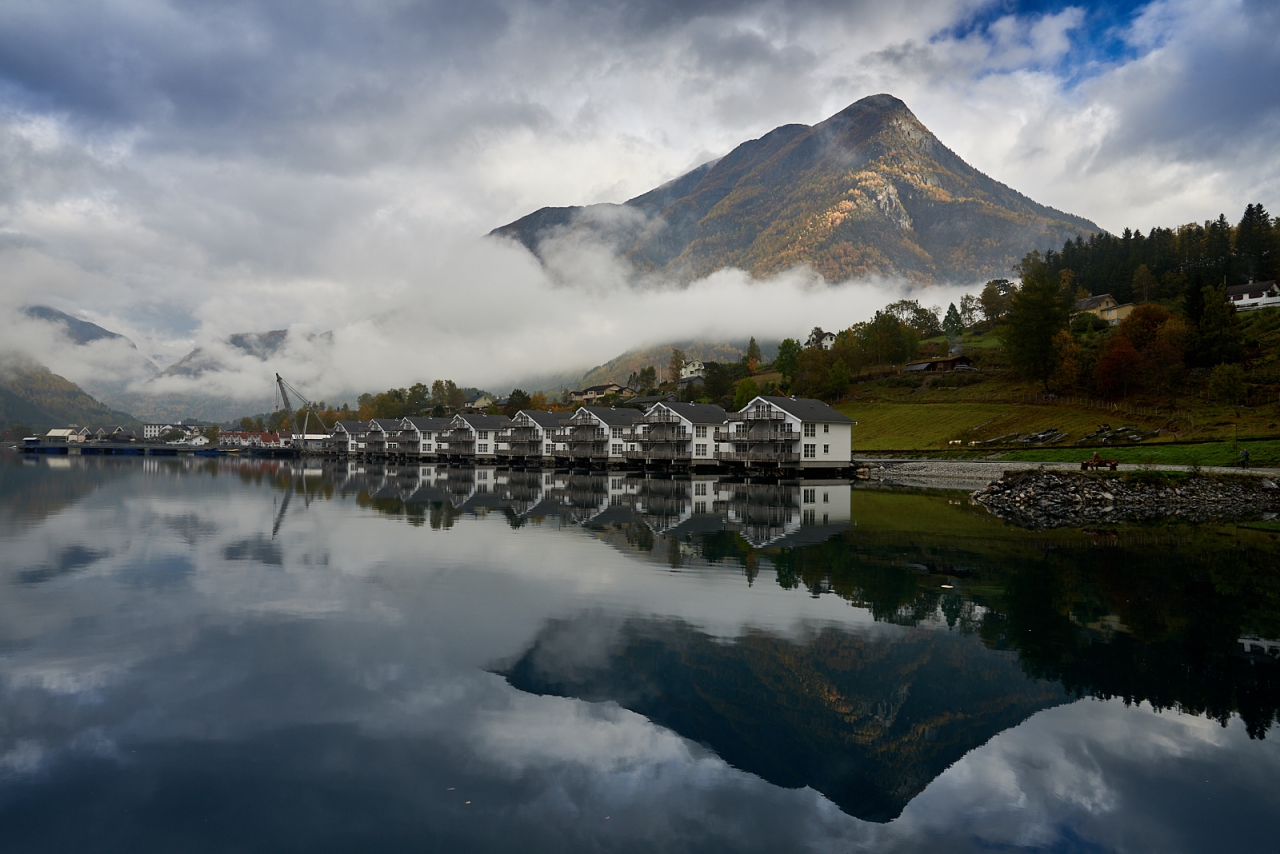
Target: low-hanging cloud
[493,315]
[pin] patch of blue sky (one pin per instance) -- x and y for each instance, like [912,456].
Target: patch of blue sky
[1097,43]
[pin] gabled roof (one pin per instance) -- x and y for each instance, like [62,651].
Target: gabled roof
[545,419]
[600,388]
[624,417]
[387,423]
[485,422]
[351,426]
[1251,288]
[648,400]
[698,413]
[804,408]
[1093,302]
[428,424]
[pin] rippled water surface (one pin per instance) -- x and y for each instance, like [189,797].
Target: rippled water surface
[241,655]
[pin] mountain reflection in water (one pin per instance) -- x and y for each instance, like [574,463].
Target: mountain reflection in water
[855,642]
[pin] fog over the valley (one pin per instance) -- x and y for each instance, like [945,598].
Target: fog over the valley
[178,173]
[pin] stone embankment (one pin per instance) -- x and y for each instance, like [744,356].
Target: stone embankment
[1051,499]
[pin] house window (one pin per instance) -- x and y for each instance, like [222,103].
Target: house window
[482,475]
[615,483]
[826,449]
[808,497]
[826,498]
[699,450]
[550,448]
[699,507]
[483,449]
[808,517]
[826,428]
[699,489]
[484,434]
[810,430]
[617,432]
[617,450]
[810,452]
[700,431]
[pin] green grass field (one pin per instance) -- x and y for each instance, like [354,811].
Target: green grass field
[929,426]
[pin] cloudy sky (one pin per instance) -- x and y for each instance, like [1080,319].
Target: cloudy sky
[179,170]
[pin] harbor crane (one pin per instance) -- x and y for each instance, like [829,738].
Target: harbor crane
[298,440]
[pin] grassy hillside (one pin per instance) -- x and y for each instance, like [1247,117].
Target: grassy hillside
[927,412]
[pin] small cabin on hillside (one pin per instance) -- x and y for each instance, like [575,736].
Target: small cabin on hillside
[1104,306]
[1254,295]
[946,363]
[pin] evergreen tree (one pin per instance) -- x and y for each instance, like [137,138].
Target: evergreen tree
[676,365]
[1219,339]
[1256,245]
[753,352]
[788,360]
[1037,312]
[952,324]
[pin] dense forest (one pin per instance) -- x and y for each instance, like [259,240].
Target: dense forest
[1169,264]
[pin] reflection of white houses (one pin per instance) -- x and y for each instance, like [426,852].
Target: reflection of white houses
[786,432]
[679,433]
[786,515]
[475,437]
[419,435]
[531,436]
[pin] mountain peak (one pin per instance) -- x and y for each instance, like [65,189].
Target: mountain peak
[868,191]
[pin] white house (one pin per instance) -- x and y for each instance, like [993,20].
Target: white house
[818,338]
[347,437]
[531,436]
[787,432]
[474,437]
[419,435]
[679,432]
[1254,295]
[602,434]
[693,368]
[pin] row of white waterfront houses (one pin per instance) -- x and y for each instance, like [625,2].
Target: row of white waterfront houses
[769,432]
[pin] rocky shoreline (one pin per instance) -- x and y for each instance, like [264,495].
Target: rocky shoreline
[1055,499]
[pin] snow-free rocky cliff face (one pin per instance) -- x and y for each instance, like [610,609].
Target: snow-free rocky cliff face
[868,191]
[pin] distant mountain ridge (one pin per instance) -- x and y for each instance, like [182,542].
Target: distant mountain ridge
[868,191]
[33,395]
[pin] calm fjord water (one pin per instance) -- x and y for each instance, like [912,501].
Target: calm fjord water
[266,656]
